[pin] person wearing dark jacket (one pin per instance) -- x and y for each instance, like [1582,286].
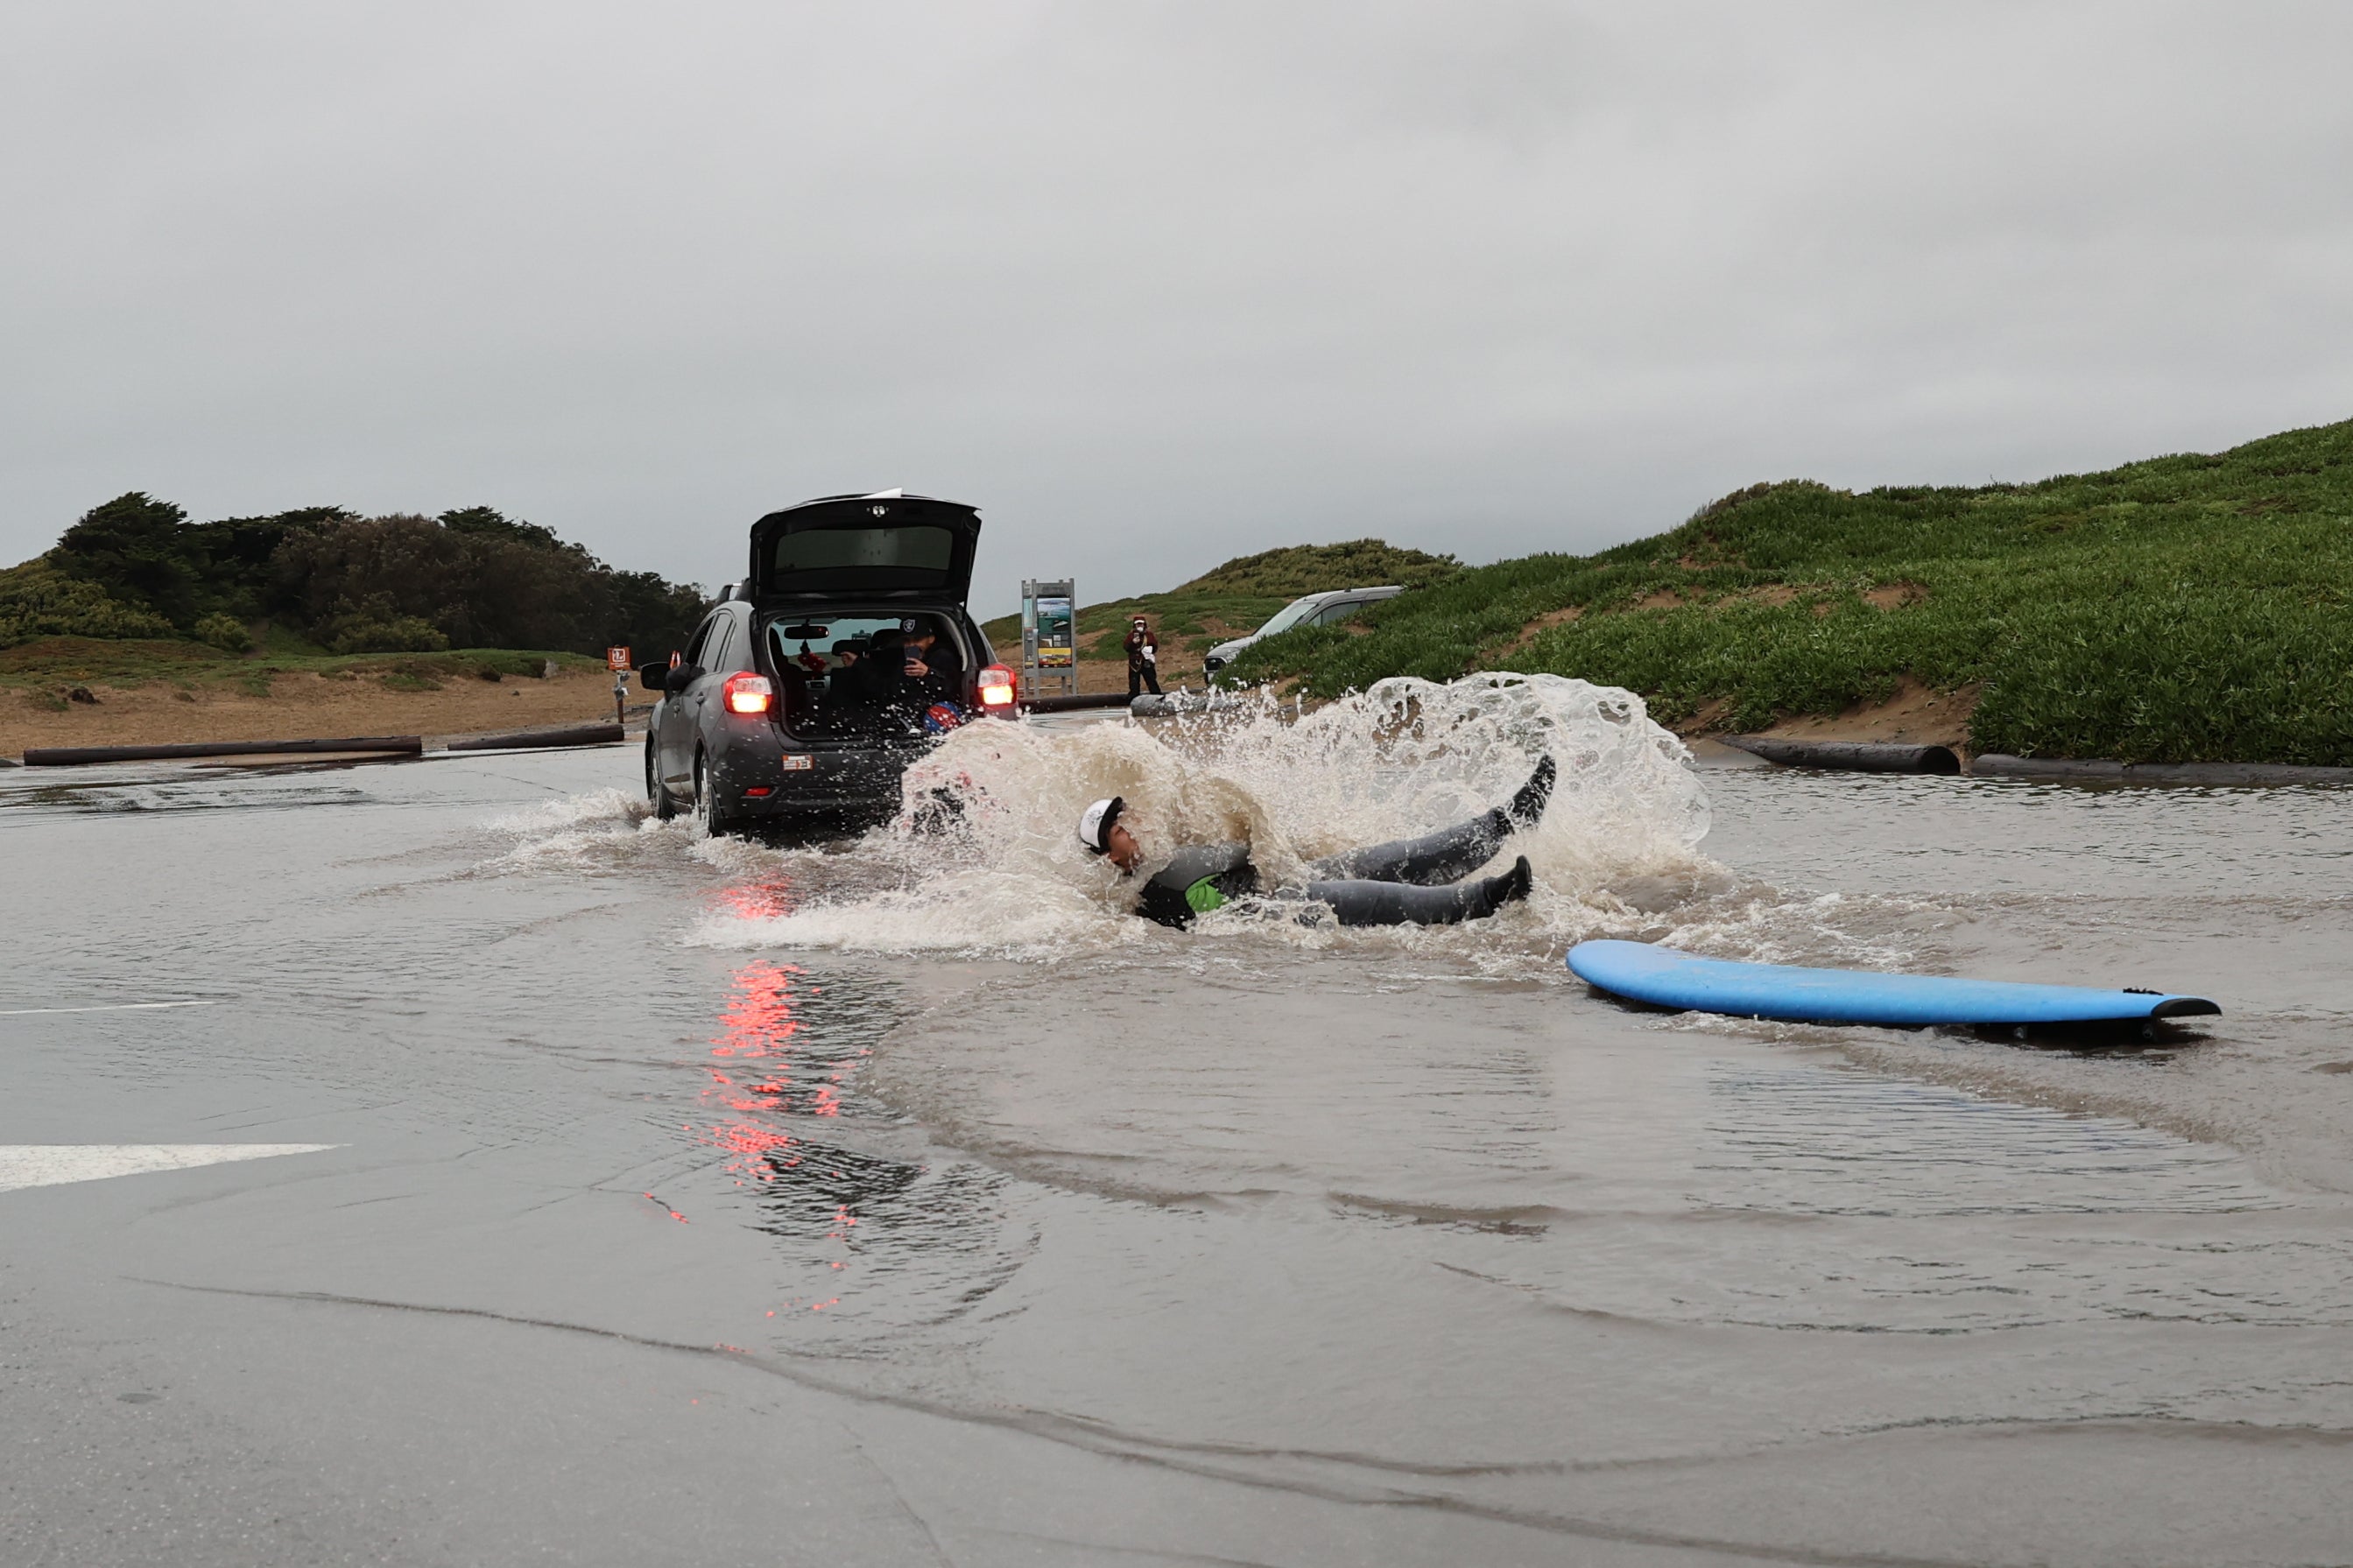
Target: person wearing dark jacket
[1143,658]
[1411,881]
[931,666]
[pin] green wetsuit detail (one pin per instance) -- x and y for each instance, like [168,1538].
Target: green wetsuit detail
[1203,896]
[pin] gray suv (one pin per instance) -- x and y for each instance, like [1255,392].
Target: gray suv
[812,683]
[1323,609]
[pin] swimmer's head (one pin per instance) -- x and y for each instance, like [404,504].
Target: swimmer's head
[1100,830]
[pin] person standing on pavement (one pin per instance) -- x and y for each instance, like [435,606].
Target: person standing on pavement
[1143,658]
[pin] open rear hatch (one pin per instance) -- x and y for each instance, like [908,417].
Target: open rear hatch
[882,546]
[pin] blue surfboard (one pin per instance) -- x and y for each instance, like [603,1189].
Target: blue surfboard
[1665,977]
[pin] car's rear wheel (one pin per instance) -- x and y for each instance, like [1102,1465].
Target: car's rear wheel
[657,797]
[715,822]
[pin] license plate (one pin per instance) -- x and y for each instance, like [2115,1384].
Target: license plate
[799,761]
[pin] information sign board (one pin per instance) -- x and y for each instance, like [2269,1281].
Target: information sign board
[1057,645]
[1049,643]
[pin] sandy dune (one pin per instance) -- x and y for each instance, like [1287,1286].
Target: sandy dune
[303,706]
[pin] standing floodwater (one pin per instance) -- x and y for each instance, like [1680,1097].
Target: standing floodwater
[1344,1247]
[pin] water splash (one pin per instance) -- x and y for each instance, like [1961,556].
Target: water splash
[595,832]
[984,855]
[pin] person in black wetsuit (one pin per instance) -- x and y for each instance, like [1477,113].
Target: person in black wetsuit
[1411,881]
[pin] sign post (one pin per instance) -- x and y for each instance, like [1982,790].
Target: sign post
[1049,640]
[617,660]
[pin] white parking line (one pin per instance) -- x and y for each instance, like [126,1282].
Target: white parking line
[48,1164]
[101,1007]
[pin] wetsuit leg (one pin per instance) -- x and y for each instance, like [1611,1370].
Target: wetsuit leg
[1434,858]
[1427,861]
[1360,903]
[1449,852]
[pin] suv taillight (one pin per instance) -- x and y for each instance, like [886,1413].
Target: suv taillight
[748,693]
[997,687]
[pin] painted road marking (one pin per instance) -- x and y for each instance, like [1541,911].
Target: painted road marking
[102,1007]
[48,1164]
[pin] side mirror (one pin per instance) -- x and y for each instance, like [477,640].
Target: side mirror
[652,676]
[680,679]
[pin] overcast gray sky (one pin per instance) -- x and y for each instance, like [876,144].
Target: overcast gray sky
[1152,284]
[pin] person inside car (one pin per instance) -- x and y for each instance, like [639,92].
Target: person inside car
[931,664]
[1411,881]
[896,684]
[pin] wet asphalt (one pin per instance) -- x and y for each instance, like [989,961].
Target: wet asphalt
[630,1243]
[480,1328]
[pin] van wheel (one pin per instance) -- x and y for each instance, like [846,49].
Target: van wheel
[706,803]
[657,797]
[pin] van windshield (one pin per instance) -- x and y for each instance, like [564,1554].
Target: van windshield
[1290,615]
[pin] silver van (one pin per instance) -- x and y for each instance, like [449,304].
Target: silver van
[1327,608]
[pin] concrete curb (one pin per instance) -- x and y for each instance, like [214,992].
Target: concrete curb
[534,739]
[1072,704]
[86,756]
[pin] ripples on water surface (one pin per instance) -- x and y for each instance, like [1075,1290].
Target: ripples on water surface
[1400,1215]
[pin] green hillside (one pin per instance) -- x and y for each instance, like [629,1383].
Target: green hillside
[2186,608]
[1236,598]
[323,580]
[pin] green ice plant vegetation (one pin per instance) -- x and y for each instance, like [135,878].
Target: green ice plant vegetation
[1295,569]
[226,632]
[38,601]
[2188,608]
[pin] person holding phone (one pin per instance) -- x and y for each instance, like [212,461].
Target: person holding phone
[1142,646]
[930,665]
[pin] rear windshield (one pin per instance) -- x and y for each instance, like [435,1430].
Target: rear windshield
[872,559]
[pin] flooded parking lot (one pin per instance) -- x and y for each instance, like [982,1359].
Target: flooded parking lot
[906,1199]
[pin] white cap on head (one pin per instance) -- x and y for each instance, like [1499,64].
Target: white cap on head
[1095,823]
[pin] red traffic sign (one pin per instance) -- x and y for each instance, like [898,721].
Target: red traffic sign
[616,658]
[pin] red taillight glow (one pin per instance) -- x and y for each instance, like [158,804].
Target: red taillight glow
[748,693]
[997,687]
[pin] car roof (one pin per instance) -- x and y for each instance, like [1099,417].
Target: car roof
[872,495]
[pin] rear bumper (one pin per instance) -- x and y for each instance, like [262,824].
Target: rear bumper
[793,777]
[762,775]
